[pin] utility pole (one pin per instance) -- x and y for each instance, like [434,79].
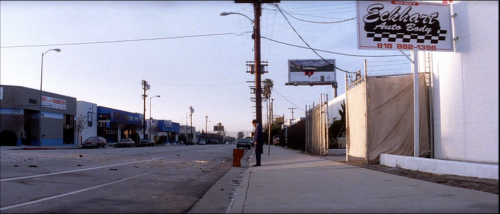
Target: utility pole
[145,87]
[191,115]
[292,111]
[256,37]
[271,111]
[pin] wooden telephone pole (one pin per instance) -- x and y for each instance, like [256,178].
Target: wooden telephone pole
[256,37]
[292,111]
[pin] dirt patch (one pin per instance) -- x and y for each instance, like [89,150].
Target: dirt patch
[480,184]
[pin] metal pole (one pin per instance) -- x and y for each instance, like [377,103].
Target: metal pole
[40,120]
[416,115]
[149,127]
[185,130]
[41,82]
[269,125]
[271,113]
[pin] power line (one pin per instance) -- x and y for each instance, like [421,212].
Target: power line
[287,100]
[354,55]
[128,40]
[276,5]
[320,22]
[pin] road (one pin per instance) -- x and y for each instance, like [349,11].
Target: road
[160,179]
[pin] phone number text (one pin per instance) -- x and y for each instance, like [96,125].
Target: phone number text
[406,46]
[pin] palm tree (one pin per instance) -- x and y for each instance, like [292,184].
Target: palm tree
[268,87]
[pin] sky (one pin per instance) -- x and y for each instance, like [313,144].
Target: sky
[188,53]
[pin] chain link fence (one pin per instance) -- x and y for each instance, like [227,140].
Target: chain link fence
[380,116]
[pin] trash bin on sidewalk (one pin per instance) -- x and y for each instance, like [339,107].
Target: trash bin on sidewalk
[237,155]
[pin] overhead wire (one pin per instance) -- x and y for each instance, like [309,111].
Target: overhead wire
[128,40]
[287,99]
[279,8]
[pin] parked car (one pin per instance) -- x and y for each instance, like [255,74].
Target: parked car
[146,142]
[244,142]
[125,142]
[94,141]
[202,142]
[190,142]
[251,141]
[276,140]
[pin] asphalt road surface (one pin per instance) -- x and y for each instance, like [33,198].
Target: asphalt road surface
[160,179]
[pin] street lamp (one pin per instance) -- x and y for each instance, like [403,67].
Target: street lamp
[206,123]
[41,81]
[256,38]
[229,13]
[150,122]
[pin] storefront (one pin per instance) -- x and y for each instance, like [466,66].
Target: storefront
[168,131]
[115,124]
[21,121]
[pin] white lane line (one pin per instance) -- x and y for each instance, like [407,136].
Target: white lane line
[70,171]
[69,193]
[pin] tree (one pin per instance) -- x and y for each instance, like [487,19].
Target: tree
[268,87]
[241,134]
[80,125]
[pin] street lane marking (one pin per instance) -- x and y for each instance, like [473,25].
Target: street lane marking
[76,170]
[69,193]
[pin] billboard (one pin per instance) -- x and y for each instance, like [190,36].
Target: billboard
[311,72]
[218,128]
[404,25]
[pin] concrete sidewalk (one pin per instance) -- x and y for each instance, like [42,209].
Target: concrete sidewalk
[291,182]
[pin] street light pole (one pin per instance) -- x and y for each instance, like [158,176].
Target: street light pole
[206,124]
[150,122]
[41,82]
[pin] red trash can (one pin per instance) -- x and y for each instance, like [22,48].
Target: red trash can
[237,155]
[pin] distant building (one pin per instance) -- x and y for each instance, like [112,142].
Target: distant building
[116,124]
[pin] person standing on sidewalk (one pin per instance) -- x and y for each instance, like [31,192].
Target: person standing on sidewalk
[258,140]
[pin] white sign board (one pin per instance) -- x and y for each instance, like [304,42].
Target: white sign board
[404,25]
[311,72]
[51,102]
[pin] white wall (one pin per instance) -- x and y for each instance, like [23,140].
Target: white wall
[334,106]
[82,108]
[465,92]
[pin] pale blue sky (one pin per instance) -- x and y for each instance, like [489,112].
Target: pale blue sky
[189,54]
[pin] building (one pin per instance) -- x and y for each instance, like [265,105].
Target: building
[166,130]
[114,124]
[465,87]
[85,121]
[188,133]
[20,117]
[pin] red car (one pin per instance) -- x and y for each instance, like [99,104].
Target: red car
[94,141]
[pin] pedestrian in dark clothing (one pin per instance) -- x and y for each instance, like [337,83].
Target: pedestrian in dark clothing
[258,140]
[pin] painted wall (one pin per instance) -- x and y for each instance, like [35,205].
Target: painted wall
[88,112]
[333,108]
[465,92]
